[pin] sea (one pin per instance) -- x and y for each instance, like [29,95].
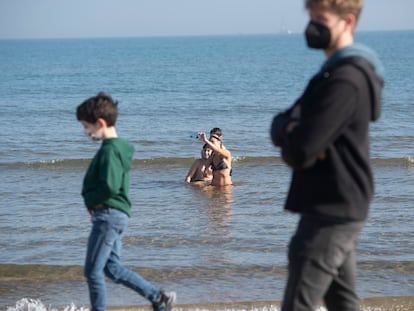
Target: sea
[219,249]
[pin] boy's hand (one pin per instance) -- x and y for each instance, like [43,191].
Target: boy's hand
[90,210]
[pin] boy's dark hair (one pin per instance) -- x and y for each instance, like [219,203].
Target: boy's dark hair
[100,106]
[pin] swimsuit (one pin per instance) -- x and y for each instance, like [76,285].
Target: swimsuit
[220,166]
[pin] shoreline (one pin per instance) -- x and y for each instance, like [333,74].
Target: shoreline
[387,303]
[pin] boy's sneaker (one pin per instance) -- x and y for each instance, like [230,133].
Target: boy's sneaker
[166,302]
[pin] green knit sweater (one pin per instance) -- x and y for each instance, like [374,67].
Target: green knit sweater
[108,176]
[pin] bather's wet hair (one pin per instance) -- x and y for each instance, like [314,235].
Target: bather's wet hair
[216,131]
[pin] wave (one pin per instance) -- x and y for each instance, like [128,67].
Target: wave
[407,162]
[51,273]
[392,303]
[46,273]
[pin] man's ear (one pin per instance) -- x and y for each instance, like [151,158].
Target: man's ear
[351,21]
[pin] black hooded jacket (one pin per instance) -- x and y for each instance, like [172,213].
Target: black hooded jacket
[328,149]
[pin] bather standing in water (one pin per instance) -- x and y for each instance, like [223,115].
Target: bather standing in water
[220,160]
[200,171]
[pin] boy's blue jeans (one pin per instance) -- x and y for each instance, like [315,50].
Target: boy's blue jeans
[103,259]
[322,266]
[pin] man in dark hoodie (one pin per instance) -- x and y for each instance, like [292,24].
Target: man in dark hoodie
[324,138]
[106,195]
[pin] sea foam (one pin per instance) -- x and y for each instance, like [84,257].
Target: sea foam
[27,304]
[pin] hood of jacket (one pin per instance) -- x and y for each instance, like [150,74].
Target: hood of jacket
[125,150]
[366,60]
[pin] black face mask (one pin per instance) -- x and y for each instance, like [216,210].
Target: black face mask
[318,36]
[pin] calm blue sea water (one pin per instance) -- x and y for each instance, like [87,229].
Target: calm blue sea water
[209,246]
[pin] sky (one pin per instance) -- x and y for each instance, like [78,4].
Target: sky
[34,19]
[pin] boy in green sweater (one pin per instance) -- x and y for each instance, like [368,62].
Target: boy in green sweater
[106,195]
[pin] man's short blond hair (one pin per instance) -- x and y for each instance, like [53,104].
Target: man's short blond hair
[341,7]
